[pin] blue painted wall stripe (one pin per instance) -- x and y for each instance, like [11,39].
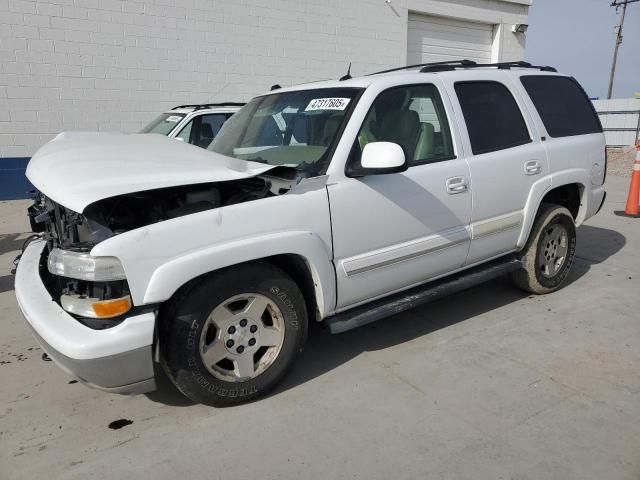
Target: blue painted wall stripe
[13,182]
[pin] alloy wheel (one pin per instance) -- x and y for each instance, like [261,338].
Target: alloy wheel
[242,337]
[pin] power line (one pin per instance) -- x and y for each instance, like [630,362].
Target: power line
[617,4]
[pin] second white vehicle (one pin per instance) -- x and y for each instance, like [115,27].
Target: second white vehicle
[339,202]
[196,124]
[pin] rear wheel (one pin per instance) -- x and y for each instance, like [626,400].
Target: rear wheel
[233,336]
[549,252]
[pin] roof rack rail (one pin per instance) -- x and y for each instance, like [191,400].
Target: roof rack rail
[450,65]
[202,106]
[500,66]
[463,62]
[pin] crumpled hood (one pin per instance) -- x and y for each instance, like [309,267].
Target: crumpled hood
[76,169]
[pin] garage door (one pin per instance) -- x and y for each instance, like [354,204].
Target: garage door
[435,39]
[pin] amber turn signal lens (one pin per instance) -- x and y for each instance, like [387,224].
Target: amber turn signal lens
[111,308]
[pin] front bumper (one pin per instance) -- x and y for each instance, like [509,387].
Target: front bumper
[117,359]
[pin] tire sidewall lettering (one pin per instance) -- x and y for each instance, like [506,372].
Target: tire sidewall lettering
[192,335]
[286,301]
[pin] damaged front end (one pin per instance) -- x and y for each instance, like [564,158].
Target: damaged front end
[94,289]
[115,215]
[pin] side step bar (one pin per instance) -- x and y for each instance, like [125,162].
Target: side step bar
[399,302]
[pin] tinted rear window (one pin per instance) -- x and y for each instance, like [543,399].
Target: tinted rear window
[563,106]
[493,119]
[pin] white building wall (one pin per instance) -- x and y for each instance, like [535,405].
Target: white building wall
[115,64]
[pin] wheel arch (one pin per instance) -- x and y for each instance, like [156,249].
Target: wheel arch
[569,194]
[298,268]
[301,255]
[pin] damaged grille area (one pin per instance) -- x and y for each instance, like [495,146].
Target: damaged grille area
[60,227]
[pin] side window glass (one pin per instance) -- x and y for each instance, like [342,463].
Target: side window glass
[493,119]
[214,121]
[563,106]
[210,125]
[414,118]
[185,133]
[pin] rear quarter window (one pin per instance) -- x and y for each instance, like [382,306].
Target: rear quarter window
[493,118]
[562,105]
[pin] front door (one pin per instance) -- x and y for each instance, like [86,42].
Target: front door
[393,231]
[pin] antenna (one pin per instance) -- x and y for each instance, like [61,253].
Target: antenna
[348,75]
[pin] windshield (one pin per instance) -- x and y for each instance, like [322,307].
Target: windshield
[296,129]
[163,124]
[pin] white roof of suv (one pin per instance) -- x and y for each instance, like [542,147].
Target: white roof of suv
[460,69]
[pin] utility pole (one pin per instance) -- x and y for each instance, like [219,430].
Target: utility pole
[617,3]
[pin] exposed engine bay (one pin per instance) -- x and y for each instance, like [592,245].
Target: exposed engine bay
[105,218]
[115,215]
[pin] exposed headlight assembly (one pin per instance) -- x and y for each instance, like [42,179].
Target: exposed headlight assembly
[83,266]
[94,307]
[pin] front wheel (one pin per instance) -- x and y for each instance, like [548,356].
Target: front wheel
[549,252]
[232,336]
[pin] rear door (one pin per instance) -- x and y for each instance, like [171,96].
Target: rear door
[573,137]
[505,160]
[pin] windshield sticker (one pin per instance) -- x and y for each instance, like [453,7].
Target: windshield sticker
[173,118]
[327,104]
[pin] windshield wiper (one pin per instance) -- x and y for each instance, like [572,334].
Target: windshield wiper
[258,159]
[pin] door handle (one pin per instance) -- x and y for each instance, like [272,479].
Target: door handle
[532,167]
[457,185]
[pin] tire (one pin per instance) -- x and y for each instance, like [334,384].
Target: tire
[548,255]
[207,330]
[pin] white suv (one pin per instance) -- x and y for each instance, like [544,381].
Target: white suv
[194,124]
[339,202]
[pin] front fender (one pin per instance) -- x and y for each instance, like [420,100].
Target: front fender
[166,280]
[160,258]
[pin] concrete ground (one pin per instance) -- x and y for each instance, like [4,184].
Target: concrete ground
[620,160]
[487,384]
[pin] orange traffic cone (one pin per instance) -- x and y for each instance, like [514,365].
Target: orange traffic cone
[633,199]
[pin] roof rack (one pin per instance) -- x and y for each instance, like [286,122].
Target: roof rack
[443,67]
[463,62]
[202,106]
[451,65]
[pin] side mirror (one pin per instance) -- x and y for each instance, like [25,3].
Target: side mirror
[382,157]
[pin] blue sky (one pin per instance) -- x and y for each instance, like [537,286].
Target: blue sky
[577,37]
